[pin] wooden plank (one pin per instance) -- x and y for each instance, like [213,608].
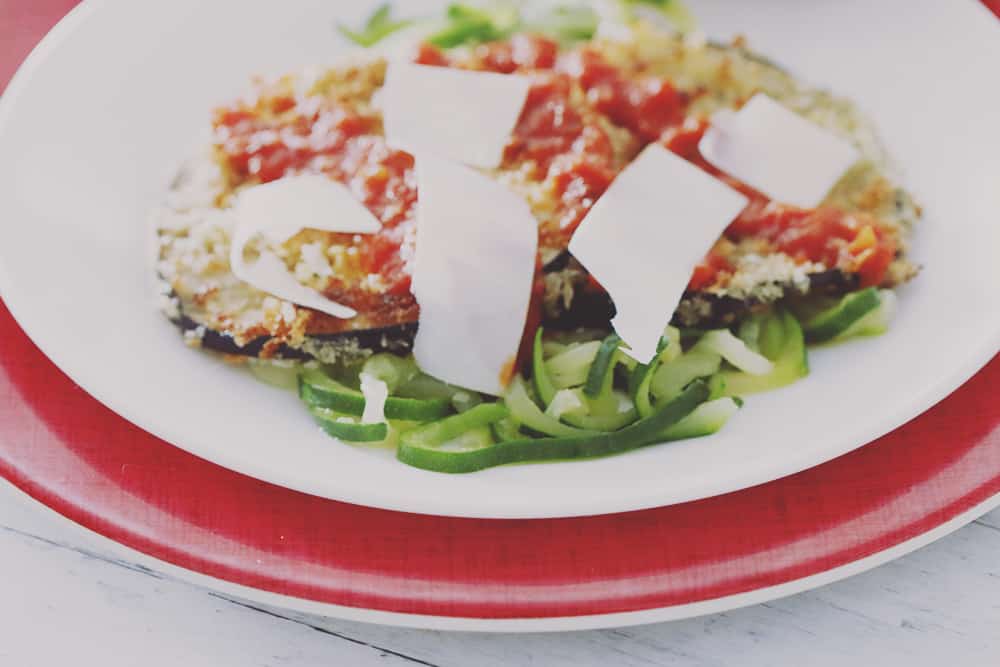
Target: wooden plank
[63,601]
[940,603]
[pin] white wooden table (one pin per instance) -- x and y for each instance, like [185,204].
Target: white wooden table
[64,600]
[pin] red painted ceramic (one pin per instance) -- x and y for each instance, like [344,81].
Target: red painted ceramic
[74,455]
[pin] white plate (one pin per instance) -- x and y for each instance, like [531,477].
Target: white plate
[108,105]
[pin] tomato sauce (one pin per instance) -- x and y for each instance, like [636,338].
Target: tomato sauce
[646,105]
[573,155]
[838,239]
[565,144]
[287,136]
[519,53]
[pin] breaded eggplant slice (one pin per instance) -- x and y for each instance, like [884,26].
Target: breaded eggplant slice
[219,312]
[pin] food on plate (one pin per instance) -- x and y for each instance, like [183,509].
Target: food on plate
[621,229]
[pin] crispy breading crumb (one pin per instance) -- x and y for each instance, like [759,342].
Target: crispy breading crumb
[194,337]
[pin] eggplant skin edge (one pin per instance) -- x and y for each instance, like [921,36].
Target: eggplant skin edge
[589,310]
[397,338]
[703,310]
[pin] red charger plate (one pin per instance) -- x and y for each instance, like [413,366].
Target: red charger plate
[63,448]
[257,540]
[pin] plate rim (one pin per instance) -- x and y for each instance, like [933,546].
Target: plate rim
[540,625]
[373,496]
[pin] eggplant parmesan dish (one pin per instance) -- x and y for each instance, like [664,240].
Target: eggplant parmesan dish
[508,234]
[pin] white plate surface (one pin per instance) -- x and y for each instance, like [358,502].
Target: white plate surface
[108,105]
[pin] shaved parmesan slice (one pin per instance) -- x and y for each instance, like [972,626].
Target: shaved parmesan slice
[458,114]
[473,270]
[644,236]
[278,211]
[269,274]
[777,151]
[282,208]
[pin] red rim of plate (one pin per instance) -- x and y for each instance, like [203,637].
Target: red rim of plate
[66,450]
